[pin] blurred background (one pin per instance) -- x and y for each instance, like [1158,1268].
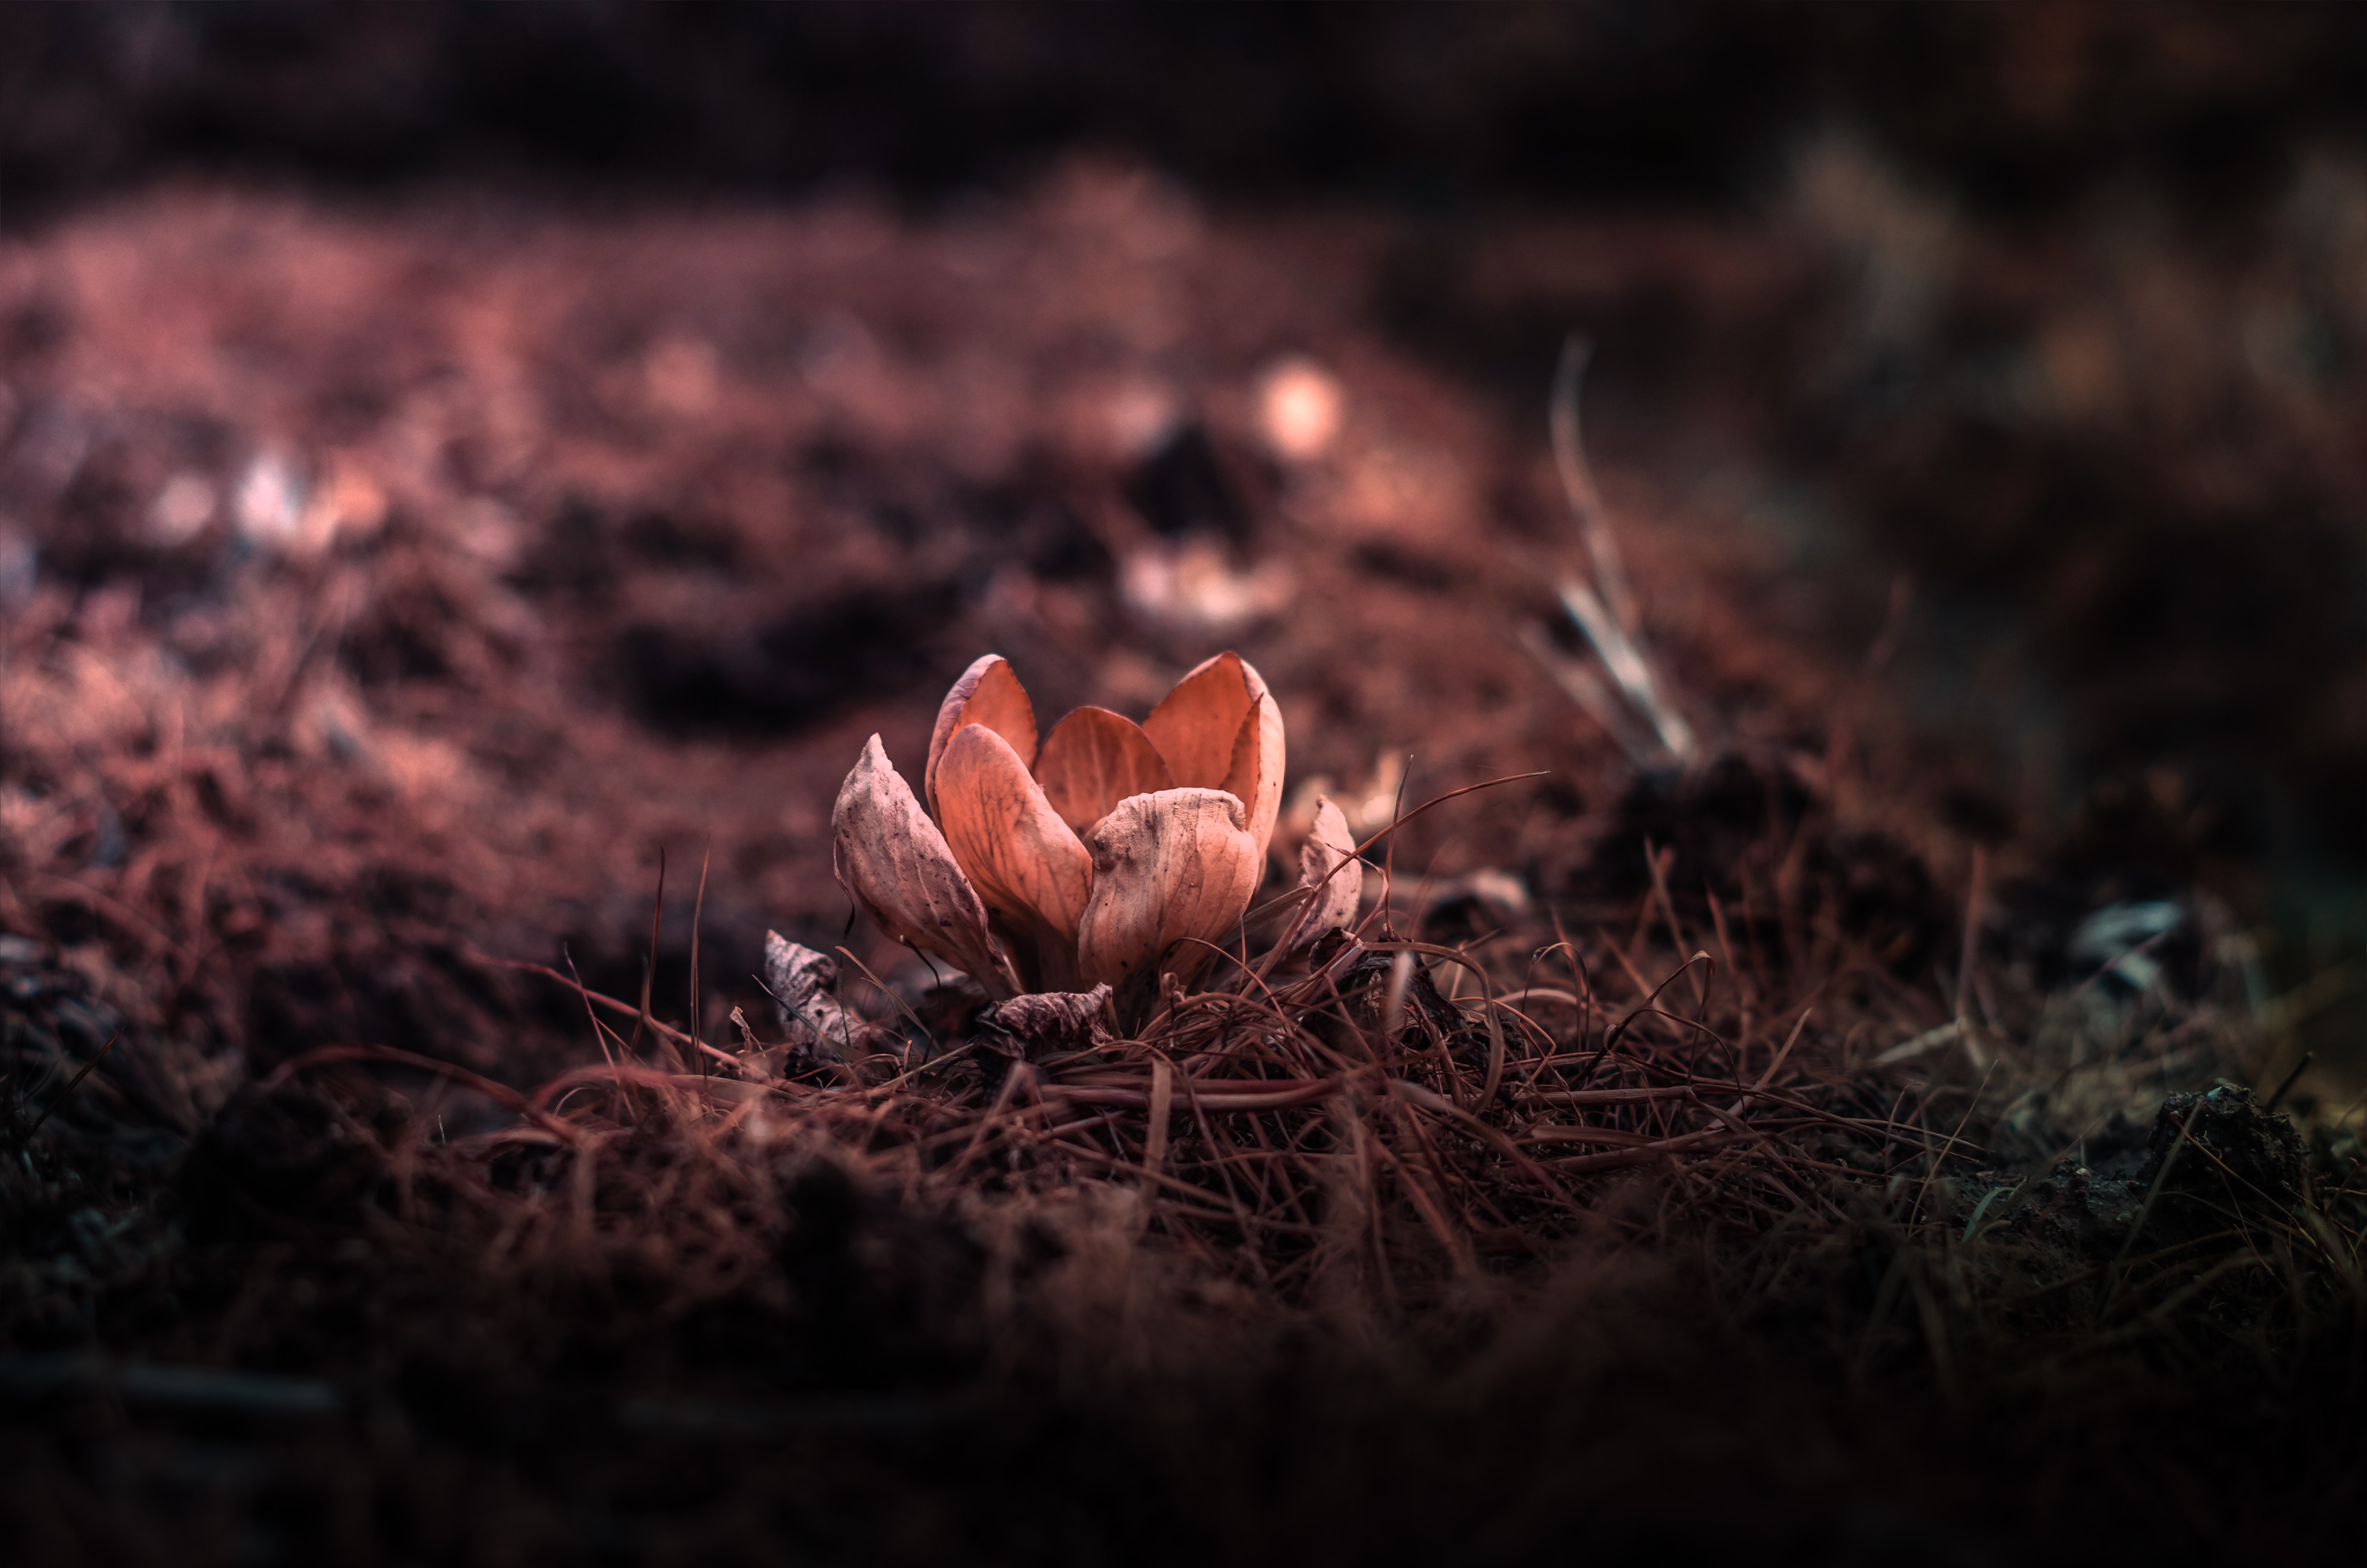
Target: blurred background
[511,332]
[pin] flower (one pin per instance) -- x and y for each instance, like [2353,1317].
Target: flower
[1111,853]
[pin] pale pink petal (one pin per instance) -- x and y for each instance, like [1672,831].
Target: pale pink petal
[892,860]
[1327,866]
[1173,874]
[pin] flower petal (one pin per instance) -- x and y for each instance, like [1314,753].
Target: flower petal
[1171,871]
[1018,854]
[1219,730]
[988,694]
[1255,777]
[1194,723]
[1092,760]
[892,860]
[1327,865]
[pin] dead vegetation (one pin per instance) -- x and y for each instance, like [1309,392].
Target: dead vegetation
[1751,1154]
[1473,1181]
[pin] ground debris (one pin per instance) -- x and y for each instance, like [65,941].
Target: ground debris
[2221,1161]
[804,988]
[1460,1205]
[1054,1021]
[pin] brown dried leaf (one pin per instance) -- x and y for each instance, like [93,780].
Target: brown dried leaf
[988,694]
[1171,871]
[892,860]
[1094,758]
[1018,854]
[1051,1021]
[804,986]
[1326,865]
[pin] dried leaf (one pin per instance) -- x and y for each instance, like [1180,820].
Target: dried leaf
[804,986]
[892,860]
[1220,729]
[1022,858]
[1327,866]
[1057,1020]
[988,694]
[1171,871]
[1094,758]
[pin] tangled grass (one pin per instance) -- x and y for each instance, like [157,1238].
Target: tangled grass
[1411,1125]
[1579,1214]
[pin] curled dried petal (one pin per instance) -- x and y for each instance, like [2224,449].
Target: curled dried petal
[1171,872]
[1327,866]
[804,985]
[1018,854]
[1055,1020]
[1092,760]
[988,694]
[892,860]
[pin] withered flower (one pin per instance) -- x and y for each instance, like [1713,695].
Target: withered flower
[1111,853]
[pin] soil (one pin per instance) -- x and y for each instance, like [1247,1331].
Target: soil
[432,616]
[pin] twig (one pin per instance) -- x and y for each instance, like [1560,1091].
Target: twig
[698,911]
[1790,1040]
[75,1082]
[663,1031]
[1605,612]
[650,966]
[2291,1078]
[1972,930]
[499,1093]
[1577,482]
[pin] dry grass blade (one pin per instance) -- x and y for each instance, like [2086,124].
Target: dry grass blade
[647,1022]
[698,1063]
[72,1084]
[1606,611]
[499,1093]
[662,1032]
[1578,482]
[1364,1114]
